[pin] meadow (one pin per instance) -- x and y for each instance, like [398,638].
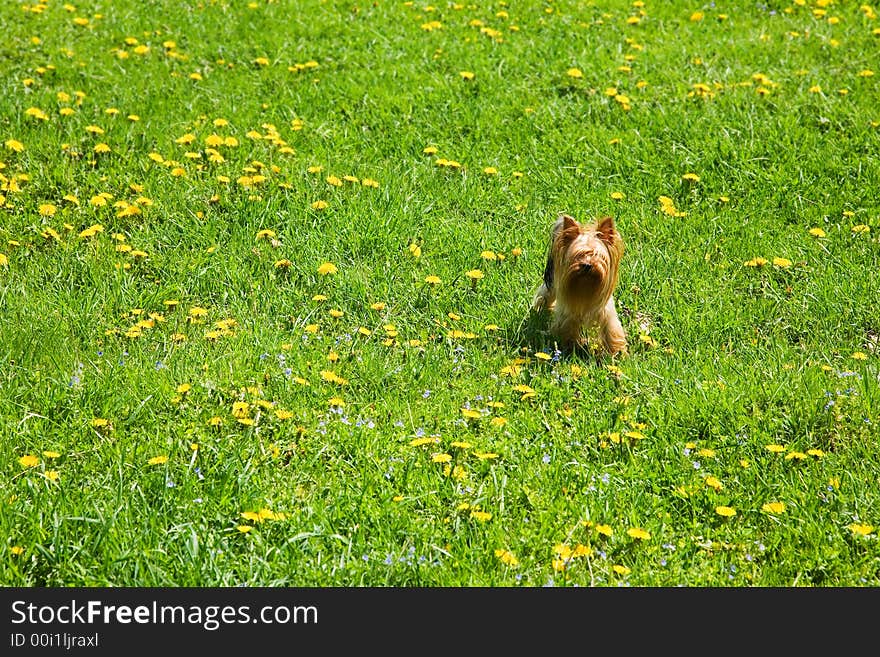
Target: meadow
[266,268]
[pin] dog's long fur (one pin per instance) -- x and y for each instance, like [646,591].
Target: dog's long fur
[579,282]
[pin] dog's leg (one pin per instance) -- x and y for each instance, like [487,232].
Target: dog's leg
[544,298]
[611,330]
[569,328]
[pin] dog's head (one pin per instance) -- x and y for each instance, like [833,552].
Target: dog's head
[586,259]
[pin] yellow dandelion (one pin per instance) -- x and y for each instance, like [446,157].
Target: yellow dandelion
[158,460]
[574,73]
[507,557]
[774,508]
[725,511]
[638,533]
[327,268]
[29,461]
[861,530]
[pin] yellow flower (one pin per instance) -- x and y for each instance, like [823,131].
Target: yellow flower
[776,449]
[47,209]
[714,483]
[638,533]
[604,530]
[861,530]
[474,274]
[14,145]
[183,388]
[466,75]
[507,557]
[860,355]
[158,460]
[244,529]
[16,550]
[773,507]
[432,280]
[29,461]
[725,511]
[817,232]
[327,268]
[621,570]
[574,73]
[690,177]
[319,205]
[782,262]
[441,458]
[51,455]
[618,196]
[482,516]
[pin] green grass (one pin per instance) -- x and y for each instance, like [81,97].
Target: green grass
[725,358]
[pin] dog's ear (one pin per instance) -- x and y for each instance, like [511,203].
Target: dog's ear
[568,223]
[565,229]
[608,232]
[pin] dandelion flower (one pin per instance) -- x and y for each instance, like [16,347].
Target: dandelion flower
[158,460]
[725,511]
[774,508]
[574,73]
[507,558]
[327,268]
[466,75]
[861,530]
[638,533]
[29,461]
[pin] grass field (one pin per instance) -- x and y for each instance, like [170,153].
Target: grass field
[242,341]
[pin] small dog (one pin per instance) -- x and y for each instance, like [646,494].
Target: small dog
[579,282]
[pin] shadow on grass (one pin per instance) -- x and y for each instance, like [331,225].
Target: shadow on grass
[532,335]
